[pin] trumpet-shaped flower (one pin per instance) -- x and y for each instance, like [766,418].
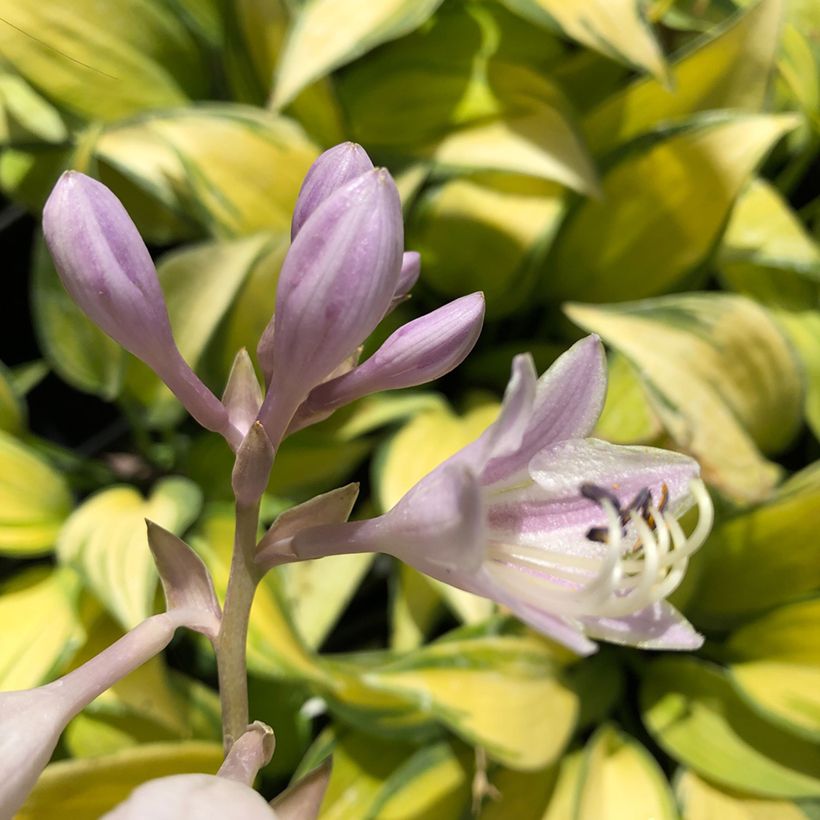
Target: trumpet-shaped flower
[575,536]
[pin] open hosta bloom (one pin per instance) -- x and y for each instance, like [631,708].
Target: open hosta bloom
[576,536]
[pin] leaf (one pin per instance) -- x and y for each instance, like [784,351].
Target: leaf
[486,232]
[415,605]
[729,69]
[39,627]
[25,117]
[77,350]
[12,408]
[330,33]
[701,799]
[34,500]
[317,592]
[803,330]
[136,56]
[621,779]
[179,157]
[275,649]
[85,789]
[663,208]
[766,252]
[200,284]
[616,28]
[692,712]
[766,555]
[501,693]
[723,379]
[628,416]
[776,666]
[452,95]
[105,541]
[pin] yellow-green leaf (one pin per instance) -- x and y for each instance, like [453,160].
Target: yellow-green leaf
[12,408]
[627,417]
[105,541]
[621,780]
[39,626]
[776,665]
[330,33]
[616,28]
[486,232]
[180,157]
[766,556]
[200,283]
[730,68]
[502,693]
[415,604]
[803,330]
[663,208]
[692,711]
[723,379]
[34,500]
[87,788]
[702,800]
[766,252]
[25,117]
[101,64]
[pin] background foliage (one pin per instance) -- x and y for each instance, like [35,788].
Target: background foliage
[639,169]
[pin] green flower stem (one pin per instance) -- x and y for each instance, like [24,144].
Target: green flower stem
[232,640]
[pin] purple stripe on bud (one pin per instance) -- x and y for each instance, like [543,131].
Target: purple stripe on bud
[418,352]
[334,168]
[107,270]
[335,286]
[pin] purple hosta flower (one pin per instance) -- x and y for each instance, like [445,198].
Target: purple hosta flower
[344,272]
[576,536]
[32,720]
[107,270]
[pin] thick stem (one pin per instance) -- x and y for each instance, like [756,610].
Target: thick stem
[233,634]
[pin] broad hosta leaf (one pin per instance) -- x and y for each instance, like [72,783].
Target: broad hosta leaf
[722,375]
[430,438]
[776,665]
[766,252]
[502,693]
[766,556]
[12,408]
[275,649]
[25,117]
[803,329]
[200,284]
[330,33]
[77,350]
[415,605]
[616,28]
[702,800]
[523,795]
[692,711]
[180,158]
[485,232]
[39,626]
[621,780]
[728,69]
[34,500]
[627,417]
[87,788]
[449,94]
[152,704]
[664,206]
[105,540]
[135,56]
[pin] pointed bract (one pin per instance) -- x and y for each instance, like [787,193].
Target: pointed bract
[243,395]
[251,470]
[303,800]
[335,286]
[332,169]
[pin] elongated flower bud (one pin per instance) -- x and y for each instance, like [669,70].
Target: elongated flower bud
[410,270]
[335,286]
[107,270]
[334,168]
[418,352]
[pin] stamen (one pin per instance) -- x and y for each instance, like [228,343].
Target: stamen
[598,494]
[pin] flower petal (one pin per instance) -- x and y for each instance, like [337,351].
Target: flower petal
[410,271]
[659,626]
[568,399]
